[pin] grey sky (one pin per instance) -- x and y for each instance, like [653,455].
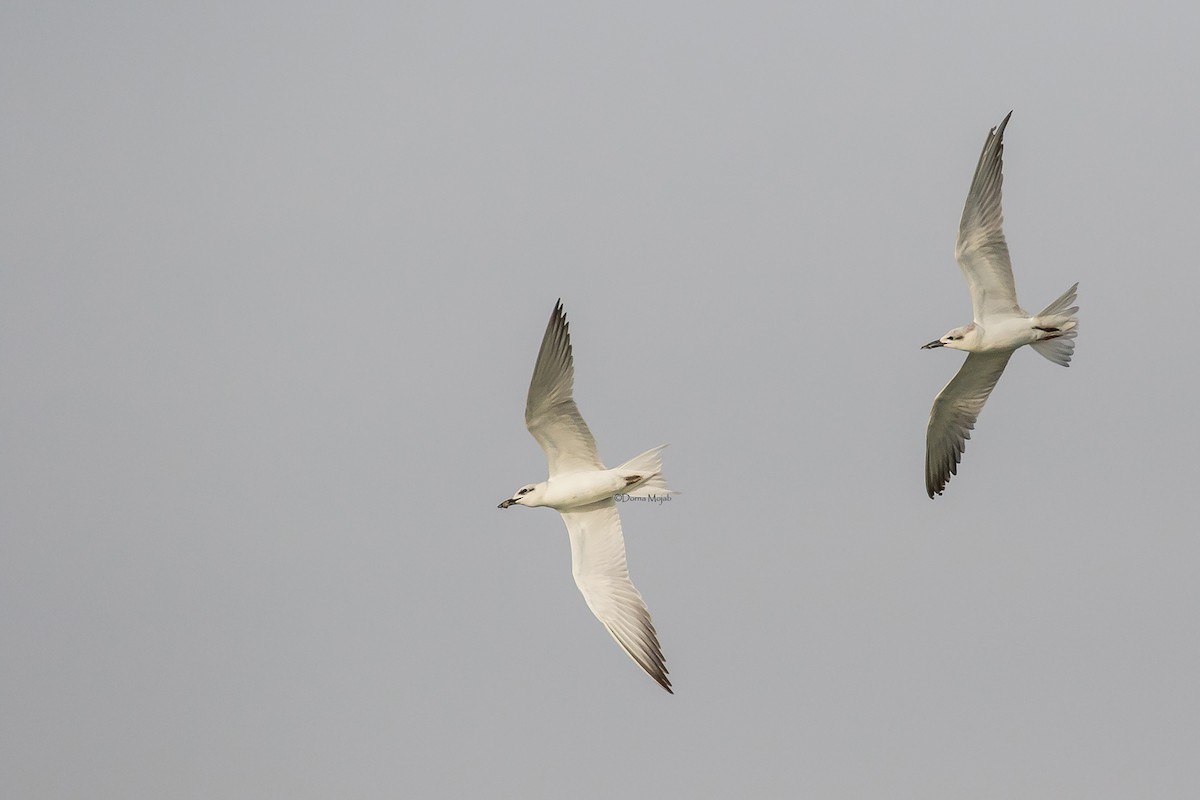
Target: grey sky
[272,285]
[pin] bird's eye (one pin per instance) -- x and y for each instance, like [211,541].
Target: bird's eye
[522,491]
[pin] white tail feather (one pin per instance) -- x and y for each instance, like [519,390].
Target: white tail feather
[1059,314]
[649,466]
[1059,350]
[1060,306]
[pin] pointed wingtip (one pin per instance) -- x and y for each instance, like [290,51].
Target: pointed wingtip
[999,129]
[558,315]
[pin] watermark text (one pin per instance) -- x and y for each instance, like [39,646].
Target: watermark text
[650,498]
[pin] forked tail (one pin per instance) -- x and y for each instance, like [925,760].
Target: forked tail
[645,474]
[1059,326]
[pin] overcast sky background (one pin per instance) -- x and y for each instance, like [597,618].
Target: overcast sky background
[273,284]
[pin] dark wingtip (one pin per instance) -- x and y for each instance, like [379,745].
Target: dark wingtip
[560,314]
[999,129]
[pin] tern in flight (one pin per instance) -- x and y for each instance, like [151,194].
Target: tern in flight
[1000,325]
[581,488]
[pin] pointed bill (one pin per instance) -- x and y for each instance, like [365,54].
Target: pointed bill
[981,250]
[550,411]
[598,564]
[954,413]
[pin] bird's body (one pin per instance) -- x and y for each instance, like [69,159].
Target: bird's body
[576,489]
[999,326]
[568,492]
[1005,334]
[582,489]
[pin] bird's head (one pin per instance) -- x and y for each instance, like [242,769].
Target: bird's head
[525,496]
[958,339]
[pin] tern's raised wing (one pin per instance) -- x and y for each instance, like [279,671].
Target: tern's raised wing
[954,413]
[598,564]
[981,250]
[550,411]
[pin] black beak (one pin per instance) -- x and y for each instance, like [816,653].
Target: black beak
[506,503]
[933,344]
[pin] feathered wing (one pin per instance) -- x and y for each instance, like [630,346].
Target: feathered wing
[954,413]
[598,564]
[550,411]
[981,250]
